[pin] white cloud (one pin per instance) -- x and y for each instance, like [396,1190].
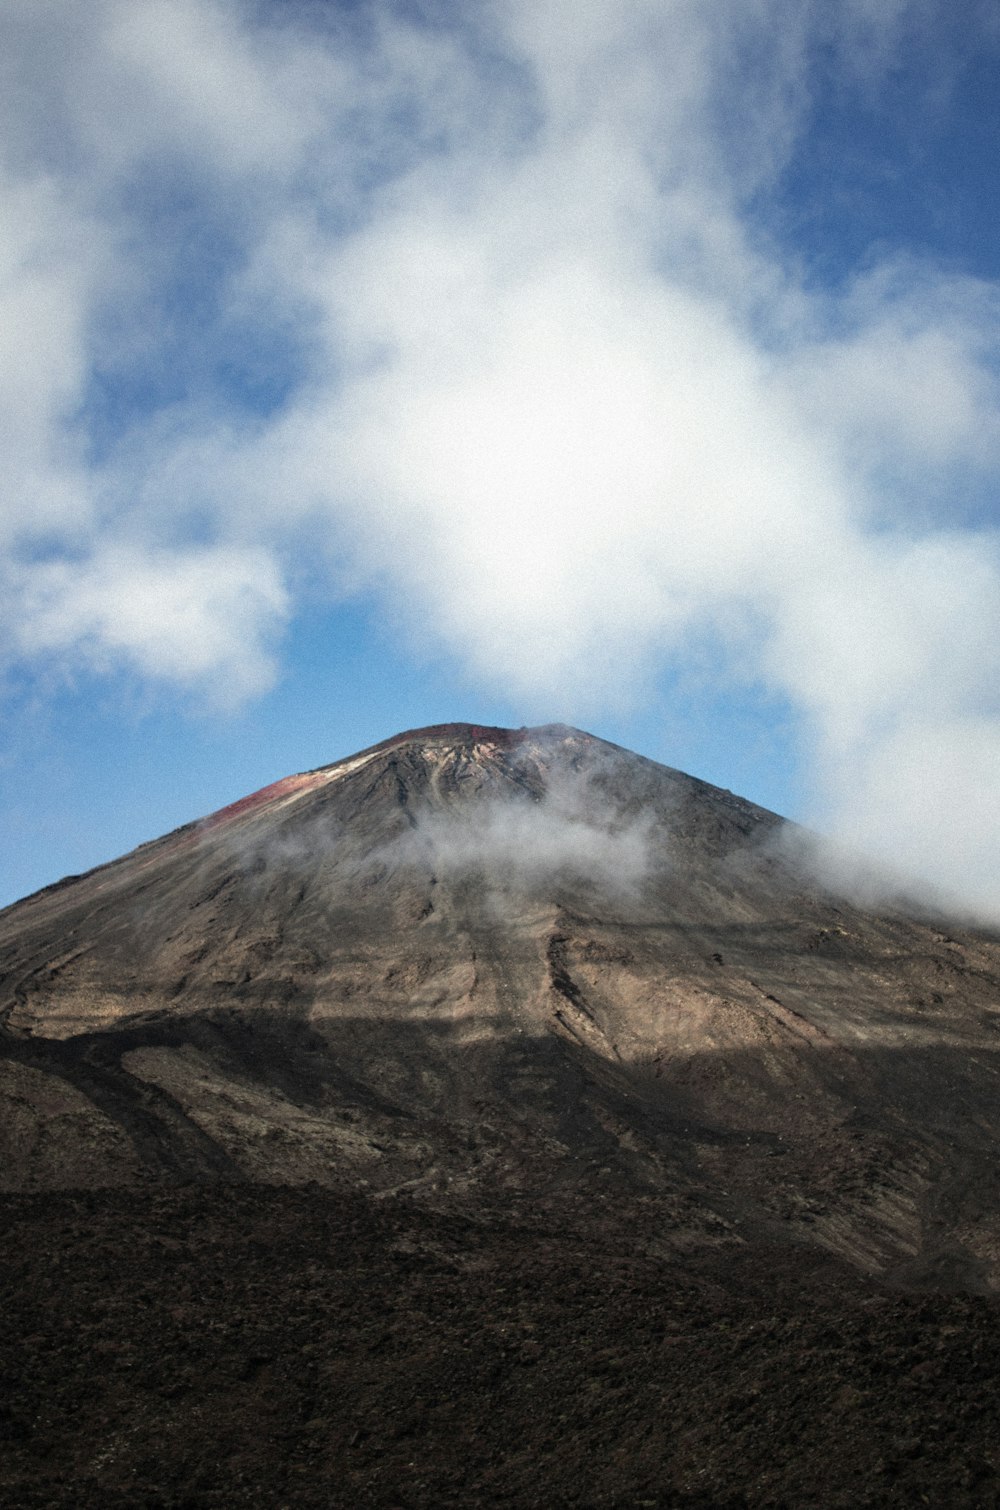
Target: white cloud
[52,259]
[932,785]
[199,617]
[186,76]
[519,846]
[910,381]
[550,385]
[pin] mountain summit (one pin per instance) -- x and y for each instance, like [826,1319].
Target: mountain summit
[478,964]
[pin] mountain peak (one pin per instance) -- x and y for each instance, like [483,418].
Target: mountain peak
[471,957]
[468,736]
[480,742]
[464,734]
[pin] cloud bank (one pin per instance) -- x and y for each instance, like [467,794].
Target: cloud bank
[495,315]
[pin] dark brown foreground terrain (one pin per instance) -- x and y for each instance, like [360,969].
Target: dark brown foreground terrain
[238,1345]
[495,1118]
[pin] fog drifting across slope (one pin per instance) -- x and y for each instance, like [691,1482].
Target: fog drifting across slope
[486,314]
[518,846]
[558,811]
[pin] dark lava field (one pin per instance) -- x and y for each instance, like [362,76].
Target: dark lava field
[495,1118]
[251,1346]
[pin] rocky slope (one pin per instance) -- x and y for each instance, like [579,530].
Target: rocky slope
[483,965]
[494,1118]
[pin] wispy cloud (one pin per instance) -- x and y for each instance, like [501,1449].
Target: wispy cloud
[183,615]
[487,312]
[573,833]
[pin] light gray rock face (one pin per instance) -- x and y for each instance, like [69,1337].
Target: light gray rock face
[485,964]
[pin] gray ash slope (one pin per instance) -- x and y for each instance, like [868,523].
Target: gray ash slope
[479,965]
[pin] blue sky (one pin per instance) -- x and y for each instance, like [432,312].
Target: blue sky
[368,366]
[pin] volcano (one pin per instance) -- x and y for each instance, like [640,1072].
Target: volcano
[471,960]
[491,977]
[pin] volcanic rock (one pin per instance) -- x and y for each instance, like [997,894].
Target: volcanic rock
[479,964]
[494,1118]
